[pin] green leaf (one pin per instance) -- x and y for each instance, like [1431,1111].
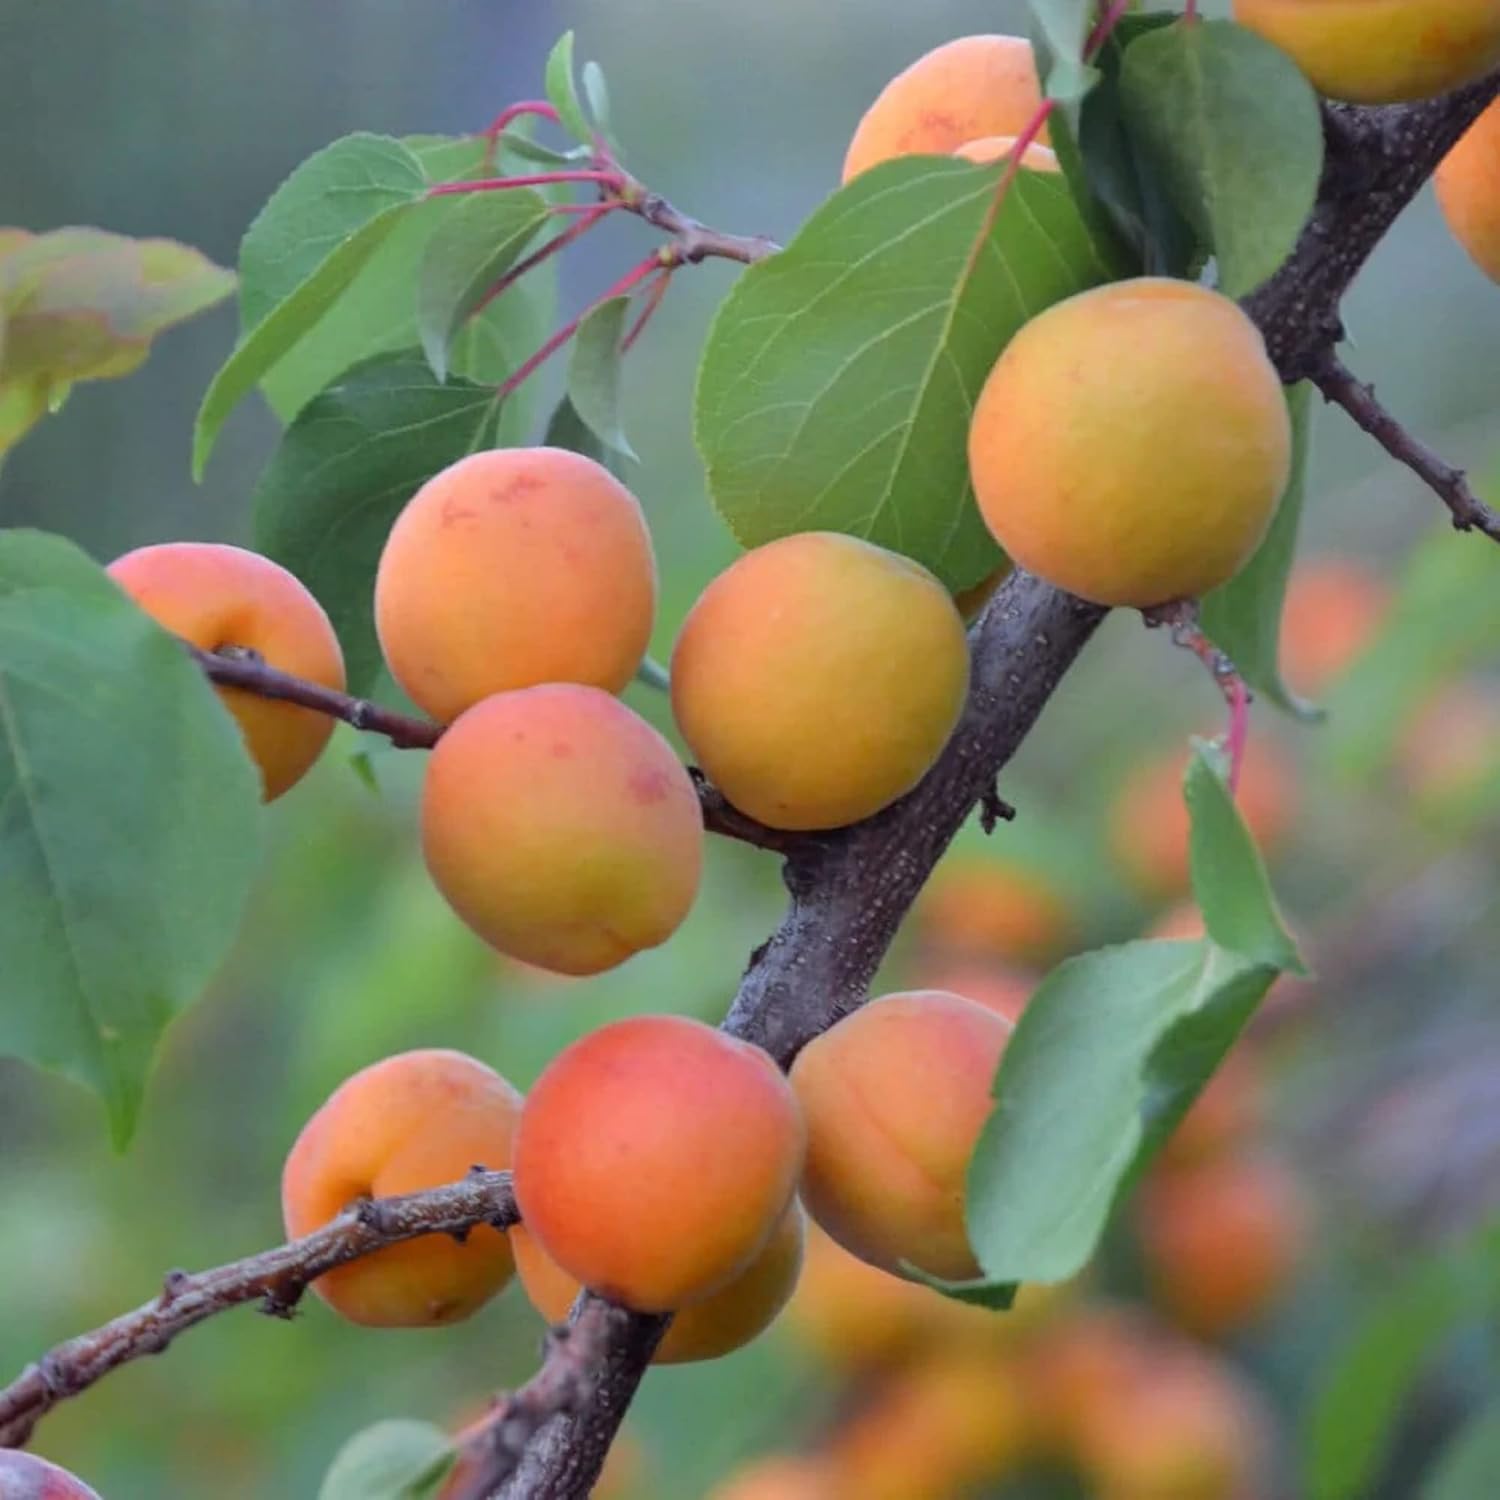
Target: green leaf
[1351,1423]
[596,91]
[301,252]
[566,429]
[1467,1467]
[352,459]
[477,243]
[1235,131]
[1059,30]
[562,89]
[128,824]
[1243,617]
[377,312]
[839,377]
[594,373]
[399,1459]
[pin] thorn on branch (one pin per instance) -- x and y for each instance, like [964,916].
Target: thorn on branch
[994,809]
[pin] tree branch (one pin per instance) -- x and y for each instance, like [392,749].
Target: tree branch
[276,1278]
[1340,386]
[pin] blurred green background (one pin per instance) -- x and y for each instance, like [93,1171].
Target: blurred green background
[178,119]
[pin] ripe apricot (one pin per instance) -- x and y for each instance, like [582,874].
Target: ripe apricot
[1229,1111]
[970,87]
[1003,990]
[1381,51]
[818,679]
[976,908]
[217,596]
[895,1096]
[1149,825]
[1221,1239]
[511,568]
[782,1476]
[1333,609]
[654,1159]
[416,1120]
[562,828]
[24,1476]
[990,148]
[1468,191]
[725,1320]
[1140,491]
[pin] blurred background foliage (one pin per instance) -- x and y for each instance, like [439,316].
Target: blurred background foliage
[1379,1083]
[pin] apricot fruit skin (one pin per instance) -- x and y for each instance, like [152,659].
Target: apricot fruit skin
[818,678]
[990,148]
[654,1159]
[895,1096]
[971,87]
[1333,609]
[213,596]
[24,1476]
[416,1120]
[981,909]
[562,828]
[1468,191]
[1380,51]
[1132,443]
[722,1322]
[510,568]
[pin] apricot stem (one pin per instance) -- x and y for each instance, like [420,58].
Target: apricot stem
[589,215]
[1107,22]
[496,127]
[649,303]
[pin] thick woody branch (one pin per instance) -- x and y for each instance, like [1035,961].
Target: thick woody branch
[276,1279]
[1340,386]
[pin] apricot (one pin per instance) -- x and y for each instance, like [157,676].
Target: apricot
[1149,827]
[725,1320]
[1229,1111]
[895,1096]
[1140,491]
[990,148]
[818,679]
[416,1120]
[24,1476]
[1450,749]
[511,568]
[782,1476]
[1080,1363]
[1221,1240]
[1003,990]
[215,597]
[980,908]
[971,87]
[562,828]
[655,1158]
[1333,609]
[1381,51]
[1468,191]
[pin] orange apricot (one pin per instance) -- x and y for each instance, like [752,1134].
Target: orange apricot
[722,1322]
[1132,492]
[1333,609]
[654,1159]
[1229,1111]
[818,679]
[990,148]
[562,828]
[416,1120]
[1221,1239]
[1468,191]
[971,87]
[1003,990]
[216,597]
[1149,826]
[1381,51]
[510,568]
[980,908]
[895,1096]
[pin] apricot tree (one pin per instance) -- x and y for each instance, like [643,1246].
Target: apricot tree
[1047,351]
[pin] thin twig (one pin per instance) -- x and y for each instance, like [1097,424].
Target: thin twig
[275,1278]
[1342,387]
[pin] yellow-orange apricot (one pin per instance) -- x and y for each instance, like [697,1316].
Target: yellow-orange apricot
[1381,51]
[725,1320]
[970,87]
[217,596]
[511,568]
[979,908]
[1221,1239]
[1140,491]
[895,1096]
[1149,824]
[1333,609]
[654,1159]
[1468,191]
[990,148]
[782,1476]
[818,678]
[413,1121]
[562,828]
